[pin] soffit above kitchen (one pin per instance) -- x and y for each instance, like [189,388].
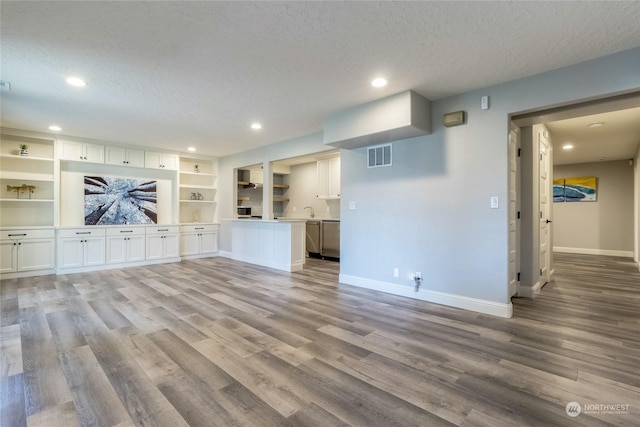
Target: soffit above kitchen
[176,74]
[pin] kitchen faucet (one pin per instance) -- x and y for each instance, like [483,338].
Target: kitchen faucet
[310,207]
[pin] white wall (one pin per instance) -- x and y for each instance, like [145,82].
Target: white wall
[601,227]
[72,189]
[636,206]
[430,211]
[303,190]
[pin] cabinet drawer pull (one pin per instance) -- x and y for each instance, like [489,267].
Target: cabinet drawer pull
[163,229]
[17,235]
[83,232]
[199,228]
[126,231]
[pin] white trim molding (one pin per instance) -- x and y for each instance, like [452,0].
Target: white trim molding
[587,251]
[529,291]
[459,301]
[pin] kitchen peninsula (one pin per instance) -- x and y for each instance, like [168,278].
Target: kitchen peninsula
[276,243]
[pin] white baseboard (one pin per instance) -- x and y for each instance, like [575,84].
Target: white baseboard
[587,251]
[18,274]
[207,255]
[529,291]
[74,270]
[290,267]
[452,300]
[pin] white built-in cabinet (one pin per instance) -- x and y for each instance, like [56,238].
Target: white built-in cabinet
[162,242]
[81,247]
[124,157]
[125,244]
[27,250]
[31,239]
[198,240]
[81,151]
[166,161]
[329,178]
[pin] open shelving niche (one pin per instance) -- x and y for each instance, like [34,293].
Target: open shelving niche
[197,189]
[37,169]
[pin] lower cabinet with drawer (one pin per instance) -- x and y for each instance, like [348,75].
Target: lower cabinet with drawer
[81,247]
[125,244]
[162,242]
[26,252]
[198,240]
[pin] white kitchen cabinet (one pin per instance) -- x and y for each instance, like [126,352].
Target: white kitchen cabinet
[26,250]
[82,152]
[165,161]
[126,244]
[81,247]
[198,240]
[329,178]
[162,242]
[124,156]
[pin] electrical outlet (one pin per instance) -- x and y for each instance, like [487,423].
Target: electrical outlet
[396,272]
[418,275]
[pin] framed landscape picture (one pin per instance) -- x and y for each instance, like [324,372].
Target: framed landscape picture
[579,189]
[112,201]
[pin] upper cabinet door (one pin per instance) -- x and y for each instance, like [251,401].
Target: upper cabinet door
[329,178]
[160,161]
[82,152]
[125,157]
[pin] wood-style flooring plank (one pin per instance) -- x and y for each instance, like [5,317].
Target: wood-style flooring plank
[213,341]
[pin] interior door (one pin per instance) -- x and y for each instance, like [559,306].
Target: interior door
[514,226]
[545,207]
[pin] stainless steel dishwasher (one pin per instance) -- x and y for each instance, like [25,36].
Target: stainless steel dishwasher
[330,240]
[314,245]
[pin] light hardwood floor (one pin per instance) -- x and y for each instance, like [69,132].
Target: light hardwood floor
[214,342]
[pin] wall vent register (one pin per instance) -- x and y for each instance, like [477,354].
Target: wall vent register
[379,155]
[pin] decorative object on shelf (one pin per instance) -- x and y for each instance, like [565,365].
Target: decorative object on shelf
[195,169]
[24,188]
[24,150]
[197,196]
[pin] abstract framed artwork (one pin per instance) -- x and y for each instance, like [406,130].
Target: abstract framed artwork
[578,189]
[112,201]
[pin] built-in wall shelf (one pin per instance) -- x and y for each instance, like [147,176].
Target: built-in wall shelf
[201,187]
[243,199]
[284,186]
[27,200]
[202,184]
[280,199]
[34,174]
[26,158]
[195,201]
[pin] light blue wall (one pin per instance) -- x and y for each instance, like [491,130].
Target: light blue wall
[430,211]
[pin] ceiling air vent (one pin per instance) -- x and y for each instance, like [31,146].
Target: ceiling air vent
[379,156]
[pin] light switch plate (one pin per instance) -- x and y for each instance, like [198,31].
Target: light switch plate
[353,206]
[484,103]
[494,202]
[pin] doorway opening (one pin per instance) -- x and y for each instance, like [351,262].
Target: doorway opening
[538,232]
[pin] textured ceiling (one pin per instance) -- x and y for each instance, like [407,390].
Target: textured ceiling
[175,74]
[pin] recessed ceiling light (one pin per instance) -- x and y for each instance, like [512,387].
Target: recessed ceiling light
[596,124]
[191,149]
[379,82]
[76,81]
[256,126]
[567,147]
[55,128]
